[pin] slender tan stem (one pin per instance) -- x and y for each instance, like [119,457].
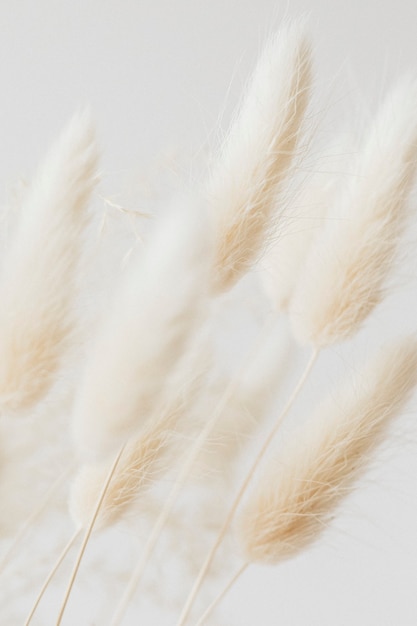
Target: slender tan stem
[51,575]
[222,533]
[181,478]
[35,514]
[221,595]
[87,535]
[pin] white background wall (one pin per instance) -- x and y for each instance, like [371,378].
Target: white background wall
[159,74]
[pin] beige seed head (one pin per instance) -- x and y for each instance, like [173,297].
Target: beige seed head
[344,273]
[296,497]
[38,282]
[257,154]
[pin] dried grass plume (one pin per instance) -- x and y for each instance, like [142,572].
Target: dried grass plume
[296,497]
[38,281]
[345,271]
[142,339]
[257,154]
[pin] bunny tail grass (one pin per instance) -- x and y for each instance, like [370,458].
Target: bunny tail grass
[222,594]
[155,315]
[39,276]
[226,525]
[139,464]
[295,498]
[51,575]
[87,535]
[344,274]
[257,154]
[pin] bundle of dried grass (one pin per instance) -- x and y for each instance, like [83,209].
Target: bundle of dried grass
[152,392]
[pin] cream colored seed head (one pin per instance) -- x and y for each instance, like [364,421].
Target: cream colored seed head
[297,495]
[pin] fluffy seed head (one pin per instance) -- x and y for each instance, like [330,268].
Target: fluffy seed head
[144,336]
[257,154]
[296,498]
[138,465]
[344,273]
[147,455]
[38,280]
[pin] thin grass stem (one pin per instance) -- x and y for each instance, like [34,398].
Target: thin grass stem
[181,478]
[87,535]
[222,533]
[51,575]
[222,594]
